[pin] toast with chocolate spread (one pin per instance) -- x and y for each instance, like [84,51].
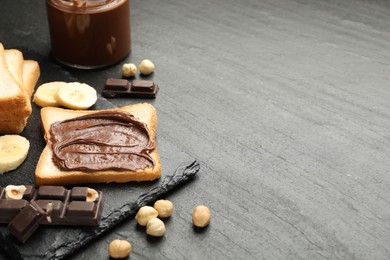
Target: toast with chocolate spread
[98,146]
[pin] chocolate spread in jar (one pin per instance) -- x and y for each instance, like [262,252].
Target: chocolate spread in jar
[89,33]
[108,140]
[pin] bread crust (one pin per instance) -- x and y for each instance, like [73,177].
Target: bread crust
[47,173]
[12,127]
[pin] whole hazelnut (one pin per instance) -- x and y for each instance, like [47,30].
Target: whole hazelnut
[144,214]
[164,208]
[155,227]
[119,248]
[129,70]
[201,216]
[14,192]
[146,67]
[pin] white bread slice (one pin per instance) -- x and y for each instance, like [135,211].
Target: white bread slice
[25,72]
[30,76]
[18,78]
[14,59]
[12,96]
[47,173]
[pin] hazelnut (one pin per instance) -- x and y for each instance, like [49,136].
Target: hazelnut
[155,227]
[164,208]
[49,211]
[129,70]
[146,67]
[92,195]
[201,216]
[144,214]
[14,192]
[119,248]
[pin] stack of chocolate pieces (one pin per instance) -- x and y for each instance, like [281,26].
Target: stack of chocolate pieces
[48,205]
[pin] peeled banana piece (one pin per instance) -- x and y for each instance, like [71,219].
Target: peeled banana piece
[73,95]
[45,96]
[77,96]
[13,152]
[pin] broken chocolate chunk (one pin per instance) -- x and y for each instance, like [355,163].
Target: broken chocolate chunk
[23,225]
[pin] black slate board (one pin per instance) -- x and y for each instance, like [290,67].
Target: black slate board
[121,200]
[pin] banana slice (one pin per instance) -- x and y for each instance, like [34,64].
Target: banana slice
[13,151]
[45,96]
[76,95]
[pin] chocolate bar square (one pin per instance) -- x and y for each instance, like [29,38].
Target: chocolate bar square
[81,209]
[79,193]
[9,208]
[52,192]
[142,86]
[29,192]
[57,208]
[116,84]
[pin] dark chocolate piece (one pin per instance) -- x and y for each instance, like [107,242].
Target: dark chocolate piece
[137,88]
[10,208]
[142,86]
[117,84]
[79,193]
[23,225]
[52,192]
[29,192]
[54,211]
[81,209]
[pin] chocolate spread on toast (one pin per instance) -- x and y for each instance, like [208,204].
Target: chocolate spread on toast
[107,140]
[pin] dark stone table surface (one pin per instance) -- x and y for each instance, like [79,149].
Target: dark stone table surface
[284,103]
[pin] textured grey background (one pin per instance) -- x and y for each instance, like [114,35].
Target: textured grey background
[285,103]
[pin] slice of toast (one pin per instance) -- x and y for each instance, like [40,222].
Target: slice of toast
[47,173]
[12,96]
[18,78]
[30,75]
[14,59]
[25,72]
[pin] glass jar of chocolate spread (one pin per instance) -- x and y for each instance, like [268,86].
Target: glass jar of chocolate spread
[89,33]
